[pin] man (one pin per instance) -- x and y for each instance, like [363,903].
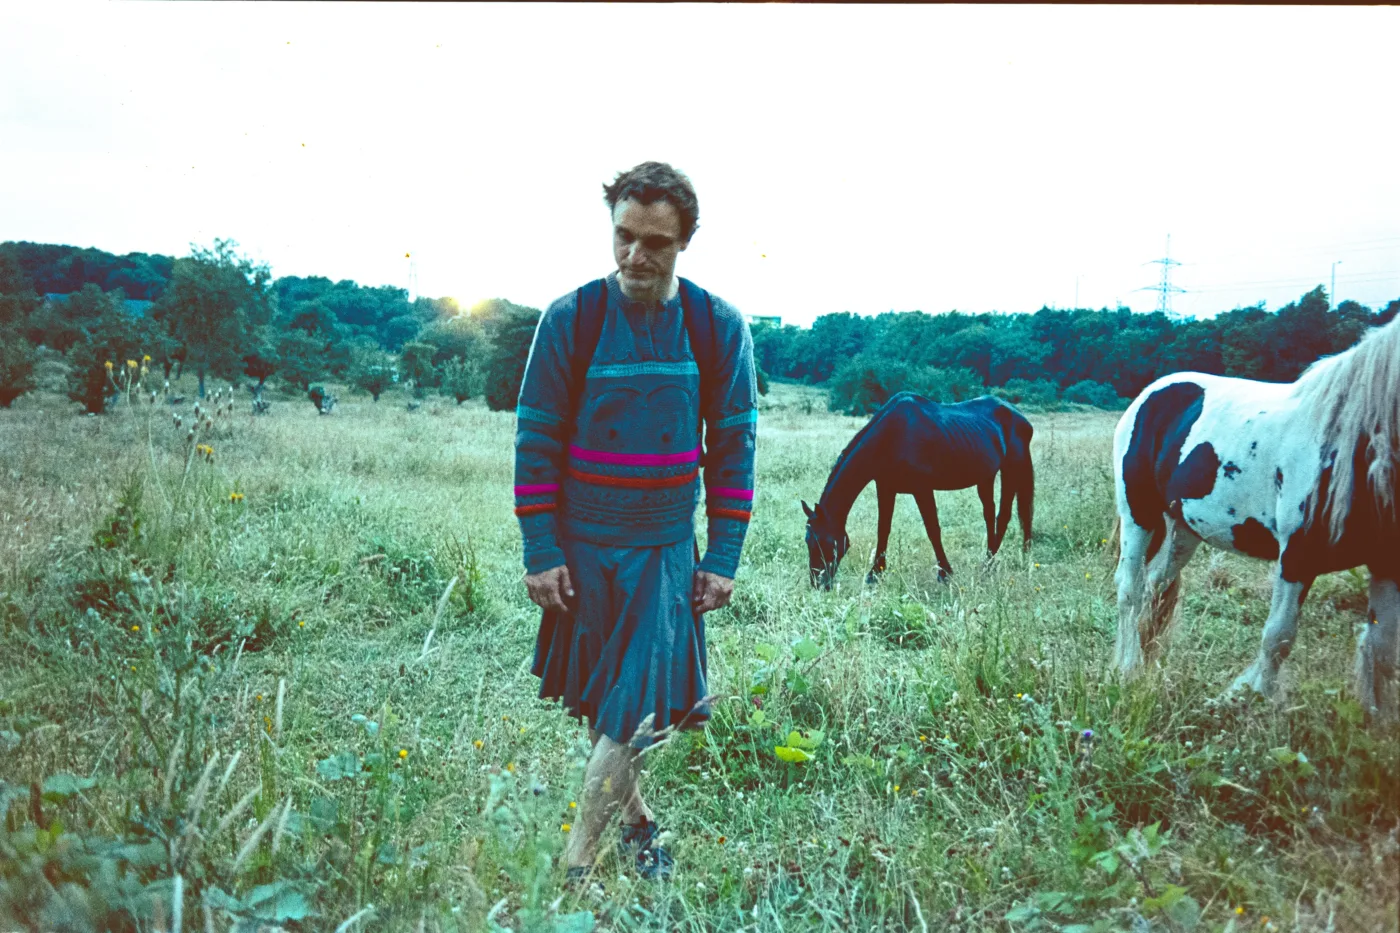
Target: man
[608,444]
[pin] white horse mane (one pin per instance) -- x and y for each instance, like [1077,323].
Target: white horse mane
[1352,395]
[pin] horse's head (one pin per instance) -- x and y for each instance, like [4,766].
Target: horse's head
[826,545]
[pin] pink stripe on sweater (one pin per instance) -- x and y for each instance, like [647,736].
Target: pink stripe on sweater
[603,456]
[724,493]
[537,489]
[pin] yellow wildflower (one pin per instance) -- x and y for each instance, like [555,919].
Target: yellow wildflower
[573,805]
[923,738]
[301,624]
[1239,911]
[235,497]
[108,364]
[1087,575]
[403,753]
[510,766]
[130,364]
[478,743]
[896,788]
[146,358]
[565,827]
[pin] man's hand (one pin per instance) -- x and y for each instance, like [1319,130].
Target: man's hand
[711,592]
[550,588]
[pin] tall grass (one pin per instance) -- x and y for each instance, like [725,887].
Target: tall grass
[239,692]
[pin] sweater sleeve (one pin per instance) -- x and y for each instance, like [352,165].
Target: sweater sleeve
[731,418]
[542,424]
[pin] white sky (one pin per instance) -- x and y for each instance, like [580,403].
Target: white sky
[846,157]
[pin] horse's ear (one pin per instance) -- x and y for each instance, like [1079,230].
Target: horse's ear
[808,509]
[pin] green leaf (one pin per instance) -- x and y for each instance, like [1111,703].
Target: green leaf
[338,766]
[1108,861]
[62,786]
[216,898]
[796,739]
[581,922]
[796,682]
[758,717]
[1283,755]
[1167,898]
[765,651]
[1022,913]
[791,754]
[804,649]
[325,813]
[264,891]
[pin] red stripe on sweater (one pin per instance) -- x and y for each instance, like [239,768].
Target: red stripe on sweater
[522,510]
[738,514]
[634,482]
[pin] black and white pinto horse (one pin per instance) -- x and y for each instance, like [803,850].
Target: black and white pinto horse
[912,445]
[1305,474]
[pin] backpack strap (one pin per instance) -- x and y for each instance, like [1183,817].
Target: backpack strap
[698,314]
[591,304]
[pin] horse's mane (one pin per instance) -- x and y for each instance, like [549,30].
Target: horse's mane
[854,442]
[1353,395]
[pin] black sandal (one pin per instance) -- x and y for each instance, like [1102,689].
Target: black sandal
[651,861]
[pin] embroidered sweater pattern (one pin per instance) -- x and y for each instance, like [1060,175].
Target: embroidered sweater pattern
[625,471]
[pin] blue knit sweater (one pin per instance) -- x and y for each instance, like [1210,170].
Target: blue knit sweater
[627,473]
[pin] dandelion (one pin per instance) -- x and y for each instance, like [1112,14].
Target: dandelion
[565,827]
[136,628]
[510,766]
[301,624]
[1037,566]
[133,668]
[522,730]
[1088,575]
[923,738]
[478,743]
[403,753]
[505,719]
[1103,540]
[235,497]
[258,698]
[130,364]
[896,788]
[108,364]
[573,805]
[146,358]
[1020,696]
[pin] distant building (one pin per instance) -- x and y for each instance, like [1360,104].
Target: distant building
[773,319]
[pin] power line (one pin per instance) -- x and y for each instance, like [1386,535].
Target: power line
[1165,289]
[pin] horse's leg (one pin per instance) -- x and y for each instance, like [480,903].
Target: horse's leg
[1376,654]
[1279,633]
[928,509]
[885,493]
[989,514]
[1164,585]
[1131,577]
[1008,493]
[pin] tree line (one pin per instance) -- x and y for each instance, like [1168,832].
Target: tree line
[217,314]
[1094,357]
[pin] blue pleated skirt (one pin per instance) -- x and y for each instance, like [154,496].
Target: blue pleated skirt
[632,646]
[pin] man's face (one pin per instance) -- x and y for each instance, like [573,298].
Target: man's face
[646,242]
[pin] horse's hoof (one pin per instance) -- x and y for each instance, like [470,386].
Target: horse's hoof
[944,575]
[871,579]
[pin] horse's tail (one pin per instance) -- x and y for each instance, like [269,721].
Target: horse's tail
[1025,497]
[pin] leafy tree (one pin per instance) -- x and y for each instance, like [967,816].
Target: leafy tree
[1030,393]
[372,372]
[259,365]
[416,366]
[462,379]
[17,296]
[111,351]
[16,367]
[761,377]
[213,307]
[512,331]
[301,358]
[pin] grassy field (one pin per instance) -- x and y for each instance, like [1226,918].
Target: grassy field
[232,695]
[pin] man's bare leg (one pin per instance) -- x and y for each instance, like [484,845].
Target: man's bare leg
[609,786]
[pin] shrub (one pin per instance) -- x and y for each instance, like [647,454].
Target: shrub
[1088,392]
[16,369]
[1028,393]
[861,385]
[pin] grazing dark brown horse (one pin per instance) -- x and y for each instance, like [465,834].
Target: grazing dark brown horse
[914,446]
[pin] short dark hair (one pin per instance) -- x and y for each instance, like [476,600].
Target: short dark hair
[657,181]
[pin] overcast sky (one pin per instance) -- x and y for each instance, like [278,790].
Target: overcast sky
[847,157]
